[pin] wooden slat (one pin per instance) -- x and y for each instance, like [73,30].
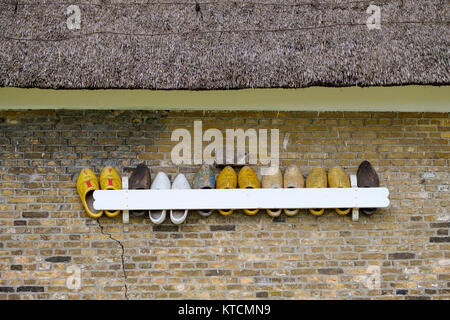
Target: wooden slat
[241,198]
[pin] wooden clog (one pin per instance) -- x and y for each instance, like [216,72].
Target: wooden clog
[337,178]
[110,180]
[273,180]
[317,179]
[293,178]
[204,179]
[140,179]
[367,177]
[179,216]
[87,183]
[161,182]
[247,179]
[227,179]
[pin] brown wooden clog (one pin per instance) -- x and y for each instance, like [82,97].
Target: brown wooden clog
[140,179]
[367,177]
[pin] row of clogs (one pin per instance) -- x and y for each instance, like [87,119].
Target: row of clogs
[140,178]
[293,178]
[204,179]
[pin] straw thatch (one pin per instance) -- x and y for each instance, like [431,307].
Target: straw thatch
[184,44]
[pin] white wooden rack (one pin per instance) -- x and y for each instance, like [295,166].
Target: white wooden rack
[197,199]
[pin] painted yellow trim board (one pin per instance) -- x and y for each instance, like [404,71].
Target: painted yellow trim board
[401,98]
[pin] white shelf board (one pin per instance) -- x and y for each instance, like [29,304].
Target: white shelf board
[289,198]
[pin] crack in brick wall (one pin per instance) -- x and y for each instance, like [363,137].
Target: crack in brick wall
[121,258]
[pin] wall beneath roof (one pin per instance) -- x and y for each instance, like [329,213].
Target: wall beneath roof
[401,252]
[411,98]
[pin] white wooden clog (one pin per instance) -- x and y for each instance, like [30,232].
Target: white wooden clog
[180,182]
[161,182]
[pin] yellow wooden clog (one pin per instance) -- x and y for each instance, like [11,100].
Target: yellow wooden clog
[247,179]
[293,178]
[87,183]
[273,180]
[110,180]
[227,179]
[337,178]
[317,179]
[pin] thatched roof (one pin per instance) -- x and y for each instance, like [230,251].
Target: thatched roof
[188,44]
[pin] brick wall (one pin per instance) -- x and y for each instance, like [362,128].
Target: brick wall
[402,252]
